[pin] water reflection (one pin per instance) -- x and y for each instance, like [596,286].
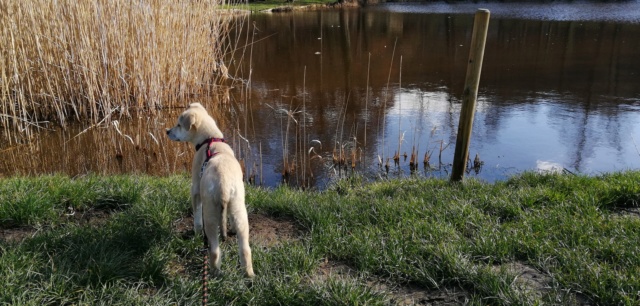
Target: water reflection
[616,11]
[552,91]
[367,84]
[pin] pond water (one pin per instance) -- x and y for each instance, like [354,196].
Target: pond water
[554,92]
[559,90]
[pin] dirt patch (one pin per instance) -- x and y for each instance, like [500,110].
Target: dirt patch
[92,217]
[528,279]
[398,295]
[263,230]
[269,232]
[184,226]
[17,234]
[334,269]
[538,284]
[419,296]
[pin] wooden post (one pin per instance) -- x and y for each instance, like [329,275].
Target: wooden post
[470,93]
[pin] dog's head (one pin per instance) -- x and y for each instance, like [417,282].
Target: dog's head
[188,123]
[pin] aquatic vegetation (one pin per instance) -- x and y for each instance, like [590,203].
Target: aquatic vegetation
[95,60]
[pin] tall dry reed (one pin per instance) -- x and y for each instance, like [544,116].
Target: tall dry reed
[69,60]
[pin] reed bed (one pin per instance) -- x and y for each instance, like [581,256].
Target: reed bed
[71,60]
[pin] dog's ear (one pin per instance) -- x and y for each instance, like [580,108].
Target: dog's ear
[192,121]
[189,121]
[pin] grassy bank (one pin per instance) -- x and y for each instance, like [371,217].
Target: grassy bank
[283,5]
[125,240]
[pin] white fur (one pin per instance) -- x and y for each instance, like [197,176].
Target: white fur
[220,190]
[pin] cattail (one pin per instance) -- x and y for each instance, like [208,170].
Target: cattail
[285,172]
[353,159]
[427,158]
[413,164]
[396,158]
[386,166]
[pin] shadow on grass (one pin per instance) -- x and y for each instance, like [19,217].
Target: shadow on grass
[622,198]
[124,248]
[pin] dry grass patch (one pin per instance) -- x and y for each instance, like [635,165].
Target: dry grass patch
[91,60]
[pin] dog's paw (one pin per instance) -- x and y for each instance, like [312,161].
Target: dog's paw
[217,274]
[249,280]
[197,228]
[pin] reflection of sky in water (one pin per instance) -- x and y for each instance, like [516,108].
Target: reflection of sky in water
[552,93]
[618,11]
[542,134]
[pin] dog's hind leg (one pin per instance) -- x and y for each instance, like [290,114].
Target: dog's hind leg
[211,222]
[241,224]
[215,255]
[196,205]
[215,260]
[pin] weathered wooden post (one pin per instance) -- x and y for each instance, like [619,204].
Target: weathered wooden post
[470,93]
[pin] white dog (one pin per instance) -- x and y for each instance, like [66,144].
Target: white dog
[217,186]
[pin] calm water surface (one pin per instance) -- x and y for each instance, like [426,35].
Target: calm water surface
[559,89]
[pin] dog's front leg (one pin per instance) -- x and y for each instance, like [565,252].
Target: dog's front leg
[196,205]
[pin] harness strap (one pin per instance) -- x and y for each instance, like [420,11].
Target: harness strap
[210,154]
[209,142]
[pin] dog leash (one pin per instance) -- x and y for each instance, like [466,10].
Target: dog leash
[205,271]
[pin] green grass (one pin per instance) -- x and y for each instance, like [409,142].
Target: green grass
[256,6]
[581,233]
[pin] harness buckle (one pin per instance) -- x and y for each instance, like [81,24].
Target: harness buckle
[203,166]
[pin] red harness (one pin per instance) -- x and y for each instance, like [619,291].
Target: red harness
[210,154]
